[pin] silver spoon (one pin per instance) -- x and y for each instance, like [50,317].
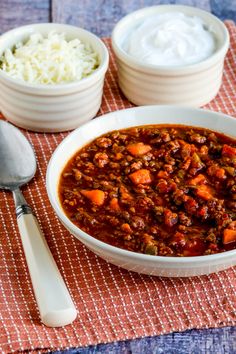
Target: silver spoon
[17,167]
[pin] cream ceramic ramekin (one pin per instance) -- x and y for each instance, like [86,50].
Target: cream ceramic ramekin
[191,85]
[52,108]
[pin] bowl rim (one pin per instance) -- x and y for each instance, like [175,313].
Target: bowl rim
[58,87]
[116,250]
[165,69]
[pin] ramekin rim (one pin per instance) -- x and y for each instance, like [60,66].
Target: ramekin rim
[131,61]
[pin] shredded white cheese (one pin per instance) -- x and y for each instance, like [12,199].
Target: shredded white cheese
[49,60]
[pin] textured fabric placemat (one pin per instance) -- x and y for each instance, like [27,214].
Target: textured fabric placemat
[113,304]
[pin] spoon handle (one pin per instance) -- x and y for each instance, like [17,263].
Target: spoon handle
[54,301]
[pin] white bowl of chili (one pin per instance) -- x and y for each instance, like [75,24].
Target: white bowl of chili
[142,37]
[160,265]
[51,76]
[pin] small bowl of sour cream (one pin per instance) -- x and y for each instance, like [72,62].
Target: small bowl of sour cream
[51,76]
[170,54]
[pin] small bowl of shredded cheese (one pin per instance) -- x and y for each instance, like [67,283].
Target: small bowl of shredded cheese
[51,76]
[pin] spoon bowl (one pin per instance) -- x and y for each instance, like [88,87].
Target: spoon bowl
[17,159]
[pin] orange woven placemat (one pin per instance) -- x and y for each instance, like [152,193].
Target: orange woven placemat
[113,304]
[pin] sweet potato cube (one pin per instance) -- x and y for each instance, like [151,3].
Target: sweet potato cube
[114,204]
[138,149]
[142,176]
[229,236]
[96,196]
[204,192]
[199,179]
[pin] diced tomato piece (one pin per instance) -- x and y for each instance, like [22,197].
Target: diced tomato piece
[213,247]
[190,204]
[228,150]
[194,247]
[203,212]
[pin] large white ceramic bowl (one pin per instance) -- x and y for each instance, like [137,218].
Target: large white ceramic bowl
[190,85]
[154,265]
[52,108]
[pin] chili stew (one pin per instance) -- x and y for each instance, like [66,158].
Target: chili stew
[166,190]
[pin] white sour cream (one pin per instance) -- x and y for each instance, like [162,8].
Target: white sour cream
[170,39]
